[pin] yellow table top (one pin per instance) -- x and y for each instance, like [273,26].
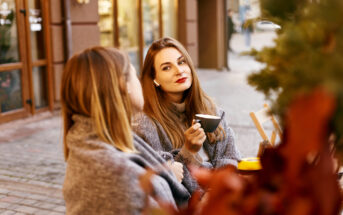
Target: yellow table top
[250,164]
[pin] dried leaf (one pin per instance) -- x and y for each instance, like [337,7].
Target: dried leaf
[307,129]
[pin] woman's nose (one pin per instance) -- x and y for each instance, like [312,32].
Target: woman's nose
[179,70]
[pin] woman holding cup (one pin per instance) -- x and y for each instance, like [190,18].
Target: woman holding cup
[172,97]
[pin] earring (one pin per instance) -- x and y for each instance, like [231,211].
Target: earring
[156,83]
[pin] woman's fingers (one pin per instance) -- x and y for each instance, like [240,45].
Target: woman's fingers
[193,128]
[178,170]
[178,165]
[194,132]
[198,136]
[195,137]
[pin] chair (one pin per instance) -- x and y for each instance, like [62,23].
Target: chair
[259,118]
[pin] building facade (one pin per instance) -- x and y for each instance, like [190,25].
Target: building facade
[38,36]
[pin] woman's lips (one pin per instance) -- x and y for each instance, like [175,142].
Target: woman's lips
[181,80]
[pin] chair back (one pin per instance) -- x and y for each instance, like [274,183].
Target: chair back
[262,116]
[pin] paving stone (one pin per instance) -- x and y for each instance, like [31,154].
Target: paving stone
[13,206]
[4,191]
[60,209]
[55,213]
[11,199]
[26,209]
[36,197]
[19,194]
[28,202]
[4,205]
[45,205]
[42,212]
[7,212]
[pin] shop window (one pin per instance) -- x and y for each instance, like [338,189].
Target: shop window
[10,91]
[39,86]
[169,17]
[106,22]
[128,23]
[150,23]
[9,48]
[36,30]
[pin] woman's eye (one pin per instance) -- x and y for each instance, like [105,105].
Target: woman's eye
[182,62]
[165,68]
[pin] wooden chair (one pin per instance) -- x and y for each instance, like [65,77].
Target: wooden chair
[252,165]
[259,118]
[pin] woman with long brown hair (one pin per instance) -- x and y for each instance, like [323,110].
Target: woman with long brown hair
[172,97]
[99,91]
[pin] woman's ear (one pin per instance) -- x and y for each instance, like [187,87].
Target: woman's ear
[156,83]
[123,85]
[128,87]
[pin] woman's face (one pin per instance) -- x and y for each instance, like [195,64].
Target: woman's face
[134,89]
[172,73]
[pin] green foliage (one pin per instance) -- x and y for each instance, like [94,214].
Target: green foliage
[308,54]
[281,9]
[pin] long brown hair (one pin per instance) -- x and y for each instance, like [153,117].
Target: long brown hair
[94,85]
[158,108]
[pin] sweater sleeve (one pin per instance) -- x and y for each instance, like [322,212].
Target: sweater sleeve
[146,129]
[227,152]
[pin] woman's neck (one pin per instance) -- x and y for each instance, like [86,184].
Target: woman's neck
[180,107]
[176,98]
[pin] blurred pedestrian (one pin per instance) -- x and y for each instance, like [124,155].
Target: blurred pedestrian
[231,29]
[248,28]
[104,160]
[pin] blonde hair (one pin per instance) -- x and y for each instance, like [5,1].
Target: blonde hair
[94,85]
[158,108]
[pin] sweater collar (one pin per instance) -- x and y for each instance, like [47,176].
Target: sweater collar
[180,107]
[83,124]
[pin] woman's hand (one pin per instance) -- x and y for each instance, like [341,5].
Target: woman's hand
[177,169]
[195,137]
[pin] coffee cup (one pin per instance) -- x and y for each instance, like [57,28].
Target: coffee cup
[208,122]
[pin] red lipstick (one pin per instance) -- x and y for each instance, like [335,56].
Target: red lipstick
[181,80]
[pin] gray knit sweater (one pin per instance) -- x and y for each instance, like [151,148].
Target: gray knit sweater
[101,179]
[220,153]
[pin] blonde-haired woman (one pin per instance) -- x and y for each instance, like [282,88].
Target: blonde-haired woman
[172,97]
[104,159]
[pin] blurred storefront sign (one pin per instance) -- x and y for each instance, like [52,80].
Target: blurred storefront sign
[35,20]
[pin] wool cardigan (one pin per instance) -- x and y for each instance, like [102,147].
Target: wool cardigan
[101,179]
[220,153]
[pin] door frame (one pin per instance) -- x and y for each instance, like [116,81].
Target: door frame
[25,64]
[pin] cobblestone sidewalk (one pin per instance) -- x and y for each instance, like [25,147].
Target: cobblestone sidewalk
[32,166]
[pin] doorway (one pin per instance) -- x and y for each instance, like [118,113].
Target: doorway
[25,68]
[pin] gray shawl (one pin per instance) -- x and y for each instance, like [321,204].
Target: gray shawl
[101,179]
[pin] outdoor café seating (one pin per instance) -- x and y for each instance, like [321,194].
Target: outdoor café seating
[261,118]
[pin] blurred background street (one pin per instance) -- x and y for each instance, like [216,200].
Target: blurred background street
[31,162]
[232,92]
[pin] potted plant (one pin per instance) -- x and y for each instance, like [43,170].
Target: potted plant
[308,54]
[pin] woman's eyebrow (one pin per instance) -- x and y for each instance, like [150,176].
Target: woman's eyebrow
[167,63]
